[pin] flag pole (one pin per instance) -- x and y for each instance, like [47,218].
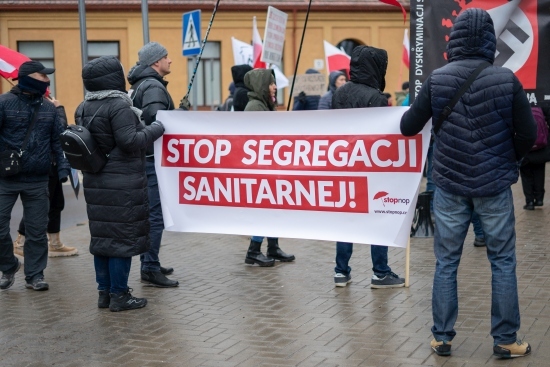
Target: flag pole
[298,59]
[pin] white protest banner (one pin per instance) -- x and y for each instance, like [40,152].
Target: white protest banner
[338,175]
[310,84]
[274,36]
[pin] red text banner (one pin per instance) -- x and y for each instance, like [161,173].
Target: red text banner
[317,193]
[336,175]
[351,153]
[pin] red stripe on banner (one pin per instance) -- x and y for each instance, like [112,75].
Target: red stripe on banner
[396,3]
[313,193]
[350,153]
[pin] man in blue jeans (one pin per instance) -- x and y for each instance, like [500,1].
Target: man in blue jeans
[476,155]
[149,94]
[367,82]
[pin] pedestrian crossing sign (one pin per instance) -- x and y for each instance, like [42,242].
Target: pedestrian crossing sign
[191,33]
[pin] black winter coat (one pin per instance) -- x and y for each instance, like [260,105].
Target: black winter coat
[367,80]
[116,197]
[16,110]
[240,97]
[149,94]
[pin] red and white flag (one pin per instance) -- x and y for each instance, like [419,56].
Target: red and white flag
[406,48]
[258,47]
[336,59]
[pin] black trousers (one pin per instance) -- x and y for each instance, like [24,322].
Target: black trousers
[532,181]
[57,203]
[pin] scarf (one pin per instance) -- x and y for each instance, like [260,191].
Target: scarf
[102,94]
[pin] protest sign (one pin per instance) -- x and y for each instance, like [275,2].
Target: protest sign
[291,174]
[274,36]
[521,30]
[310,84]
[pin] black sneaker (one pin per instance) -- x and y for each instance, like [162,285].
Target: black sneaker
[157,279]
[539,203]
[37,284]
[530,206]
[341,280]
[125,301]
[479,242]
[104,299]
[8,277]
[391,280]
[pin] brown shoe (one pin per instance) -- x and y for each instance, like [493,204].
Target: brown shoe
[514,350]
[441,348]
[18,245]
[58,249]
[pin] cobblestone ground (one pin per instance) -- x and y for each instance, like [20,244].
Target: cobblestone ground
[226,313]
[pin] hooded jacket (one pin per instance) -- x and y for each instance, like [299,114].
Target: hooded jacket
[325,103]
[149,94]
[240,96]
[116,197]
[491,127]
[258,81]
[303,102]
[16,109]
[367,80]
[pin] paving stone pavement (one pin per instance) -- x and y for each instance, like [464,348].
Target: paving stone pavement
[226,313]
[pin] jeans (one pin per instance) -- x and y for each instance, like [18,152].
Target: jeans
[478,229]
[379,255]
[57,203]
[34,196]
[150,260]
[453,214]
[111,273]
[260,238]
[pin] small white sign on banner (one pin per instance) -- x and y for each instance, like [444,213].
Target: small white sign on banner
[310,84]
[297,175]
[274,36]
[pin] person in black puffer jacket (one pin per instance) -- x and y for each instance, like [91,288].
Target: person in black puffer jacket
[116,197]
[365,89]
[477,151]
[240,97]
[17,108]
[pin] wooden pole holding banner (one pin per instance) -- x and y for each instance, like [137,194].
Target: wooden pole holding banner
[407,262]
[83,37]
[298,59]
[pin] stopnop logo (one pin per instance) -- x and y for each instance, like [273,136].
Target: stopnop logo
[386,199]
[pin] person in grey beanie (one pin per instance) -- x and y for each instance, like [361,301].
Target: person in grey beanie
[149,94]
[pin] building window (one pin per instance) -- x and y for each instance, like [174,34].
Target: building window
[103,48]
[40,51]
[208,78]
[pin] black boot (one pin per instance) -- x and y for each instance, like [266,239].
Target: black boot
[274,251]
[104,299]
[157,279]
[125,301]
[254,255]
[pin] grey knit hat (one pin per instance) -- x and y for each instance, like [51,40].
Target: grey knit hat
[151,53]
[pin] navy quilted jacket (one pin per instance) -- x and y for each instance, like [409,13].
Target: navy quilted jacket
[15,113]
[491,127]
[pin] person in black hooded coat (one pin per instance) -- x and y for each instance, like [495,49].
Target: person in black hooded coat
[116,197]
[240,97]
[365,89]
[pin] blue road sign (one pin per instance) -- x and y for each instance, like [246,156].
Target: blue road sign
[192,33]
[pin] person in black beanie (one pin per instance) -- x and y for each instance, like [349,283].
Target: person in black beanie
[20,108]
[150,95]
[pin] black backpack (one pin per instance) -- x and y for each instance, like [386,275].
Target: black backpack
[81,149]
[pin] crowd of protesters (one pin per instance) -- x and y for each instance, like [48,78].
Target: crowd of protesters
[123,200]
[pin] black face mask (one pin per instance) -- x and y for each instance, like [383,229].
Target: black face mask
[31,85]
